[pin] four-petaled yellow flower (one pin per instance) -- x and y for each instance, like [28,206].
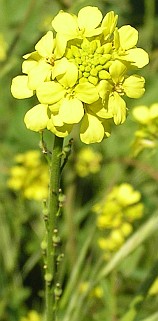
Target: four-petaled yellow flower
[81,75]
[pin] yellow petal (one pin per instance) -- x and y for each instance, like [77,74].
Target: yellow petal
[19,87]
[134,86]
[28,65]
[45,45]
[50,92]
[71,110]
[137,56]
[109,22]
[92,130]
[86,92]
[128,37]
[70,77]
[60,67]
[56,119]
[32,56]
[39,74]
[99,110]
[60,45]
[89,18]
[117,71]
[117,107]
[60,131]
[66,24]
[36,118]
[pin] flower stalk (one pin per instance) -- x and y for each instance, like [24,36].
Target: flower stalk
[52,231]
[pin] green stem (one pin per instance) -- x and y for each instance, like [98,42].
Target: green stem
[53,208]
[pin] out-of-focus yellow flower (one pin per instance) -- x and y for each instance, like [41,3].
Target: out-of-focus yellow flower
[32,316]
[97,292]
[3,48]
[147,134]
[115,215]
[29,176]
[154,288]
[87,162]
[81,75]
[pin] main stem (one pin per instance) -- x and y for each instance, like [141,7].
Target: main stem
[53,208]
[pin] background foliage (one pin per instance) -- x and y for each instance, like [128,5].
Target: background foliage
[22,23]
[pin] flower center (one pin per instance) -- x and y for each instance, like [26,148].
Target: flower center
[92,60]
[50,60]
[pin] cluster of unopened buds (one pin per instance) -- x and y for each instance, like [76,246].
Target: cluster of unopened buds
[81,75]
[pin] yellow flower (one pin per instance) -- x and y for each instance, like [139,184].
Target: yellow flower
[29,176]
[125,40]
[146,136]
[97,292]
[85,25]
[41,65]
[88,162]
[115,215]
[81,75]
[145,115]
[32,316]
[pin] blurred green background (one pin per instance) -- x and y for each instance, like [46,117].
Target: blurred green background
[22,23]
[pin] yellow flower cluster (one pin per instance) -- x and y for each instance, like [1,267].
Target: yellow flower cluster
[81,75]
[97,292]
[87,162]
[115,215]
[147,135]
[31,316]
[29,176]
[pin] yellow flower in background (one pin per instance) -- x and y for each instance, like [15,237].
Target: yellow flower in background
[97,292]
[29,176]
[32,316]
[87,162]
[115,215]
[80,75]
[147,134]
